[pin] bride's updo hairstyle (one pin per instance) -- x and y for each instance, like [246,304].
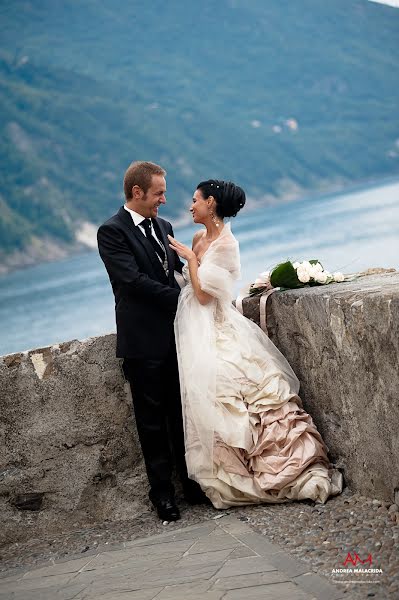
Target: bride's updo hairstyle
[230,198]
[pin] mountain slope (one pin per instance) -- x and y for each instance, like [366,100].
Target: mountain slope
[279,97]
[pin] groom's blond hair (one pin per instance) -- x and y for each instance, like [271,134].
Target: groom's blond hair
[140,173]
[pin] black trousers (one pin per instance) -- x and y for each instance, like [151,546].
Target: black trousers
[157,406]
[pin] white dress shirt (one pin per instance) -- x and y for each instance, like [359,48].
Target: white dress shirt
[138,220]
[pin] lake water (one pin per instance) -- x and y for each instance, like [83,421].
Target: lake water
[72,298]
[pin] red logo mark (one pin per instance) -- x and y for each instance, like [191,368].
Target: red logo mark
[356,559]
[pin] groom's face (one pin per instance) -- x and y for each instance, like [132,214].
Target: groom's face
[147,204]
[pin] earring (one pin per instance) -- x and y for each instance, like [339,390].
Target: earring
[214,219]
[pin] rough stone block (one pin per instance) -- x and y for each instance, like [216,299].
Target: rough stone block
[67,432]
[342,340]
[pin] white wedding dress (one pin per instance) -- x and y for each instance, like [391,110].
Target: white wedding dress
[247,438]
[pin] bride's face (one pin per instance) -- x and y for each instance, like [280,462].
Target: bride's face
[200,208]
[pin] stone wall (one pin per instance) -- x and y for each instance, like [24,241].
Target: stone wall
[342,341]
[68,436]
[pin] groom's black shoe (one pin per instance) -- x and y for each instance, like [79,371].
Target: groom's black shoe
[193,493]
[166,508]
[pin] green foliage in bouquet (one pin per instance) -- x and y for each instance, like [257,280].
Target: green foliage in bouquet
[284,275]
[290,275]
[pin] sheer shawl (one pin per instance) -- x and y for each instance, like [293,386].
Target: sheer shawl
[196,349]
[196,329]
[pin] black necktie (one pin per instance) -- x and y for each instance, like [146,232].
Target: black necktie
[147,228]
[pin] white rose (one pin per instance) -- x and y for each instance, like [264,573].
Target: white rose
[265,276]
[263,279]
[296,264]
[306,266]
[313,272]
[321,277]
[318,267]
[338,277]
[302,274]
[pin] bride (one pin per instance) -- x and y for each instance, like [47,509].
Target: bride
[248,439]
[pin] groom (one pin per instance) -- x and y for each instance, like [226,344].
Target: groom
[141,266]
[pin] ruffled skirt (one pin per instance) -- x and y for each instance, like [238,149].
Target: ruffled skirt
[266,447]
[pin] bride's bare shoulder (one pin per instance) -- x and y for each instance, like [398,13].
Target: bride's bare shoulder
[197,237]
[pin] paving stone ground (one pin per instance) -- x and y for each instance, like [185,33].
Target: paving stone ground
[315,538]
[219,559]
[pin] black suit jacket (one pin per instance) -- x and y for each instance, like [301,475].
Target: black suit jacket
[145,296]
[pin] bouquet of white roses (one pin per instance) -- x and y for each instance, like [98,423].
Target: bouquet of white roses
[291,275]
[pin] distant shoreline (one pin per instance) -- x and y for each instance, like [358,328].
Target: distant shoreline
[49,250]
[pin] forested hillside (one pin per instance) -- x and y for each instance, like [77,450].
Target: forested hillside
[280,97]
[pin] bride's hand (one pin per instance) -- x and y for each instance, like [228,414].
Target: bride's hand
[182,250]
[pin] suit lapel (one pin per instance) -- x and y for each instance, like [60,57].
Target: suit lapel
[141,238]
